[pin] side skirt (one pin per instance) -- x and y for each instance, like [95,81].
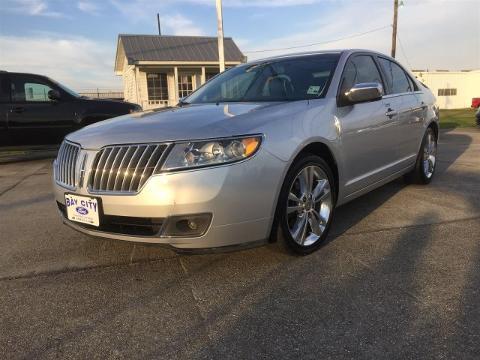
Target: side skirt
[375,185]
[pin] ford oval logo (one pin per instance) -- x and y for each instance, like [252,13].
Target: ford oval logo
[81,210]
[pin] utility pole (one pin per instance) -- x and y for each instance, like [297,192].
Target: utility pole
[394,32]
[221,52]
[158,22]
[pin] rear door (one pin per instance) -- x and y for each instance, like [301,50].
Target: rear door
[368,129]
[407,104]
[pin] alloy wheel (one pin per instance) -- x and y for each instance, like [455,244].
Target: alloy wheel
[309,205]
[429,154]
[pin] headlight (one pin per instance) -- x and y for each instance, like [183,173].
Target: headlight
[211,152]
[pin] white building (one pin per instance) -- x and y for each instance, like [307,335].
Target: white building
[453,89]
[158,70]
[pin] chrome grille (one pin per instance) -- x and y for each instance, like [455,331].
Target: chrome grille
[125,168]
[65,166]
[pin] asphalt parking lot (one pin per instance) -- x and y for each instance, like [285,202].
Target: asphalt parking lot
[399,278]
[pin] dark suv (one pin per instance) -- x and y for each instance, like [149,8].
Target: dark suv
[36,109]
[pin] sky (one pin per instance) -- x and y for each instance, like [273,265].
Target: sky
[74,41]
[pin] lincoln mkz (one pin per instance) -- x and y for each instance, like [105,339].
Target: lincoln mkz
[263,152]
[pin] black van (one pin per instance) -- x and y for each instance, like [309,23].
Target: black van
[35,109]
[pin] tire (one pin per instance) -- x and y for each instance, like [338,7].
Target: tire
[302,224]
[426,160]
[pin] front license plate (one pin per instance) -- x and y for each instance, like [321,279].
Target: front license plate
[82,209]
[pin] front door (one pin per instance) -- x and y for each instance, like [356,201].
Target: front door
[368,130]
[32,114]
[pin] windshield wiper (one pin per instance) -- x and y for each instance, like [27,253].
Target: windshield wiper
[182,102]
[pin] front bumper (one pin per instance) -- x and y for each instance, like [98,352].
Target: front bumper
[241,198]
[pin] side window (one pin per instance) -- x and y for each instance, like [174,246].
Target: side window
[25,89]
[397,81]
[413,86]
[4,90]
[359,69]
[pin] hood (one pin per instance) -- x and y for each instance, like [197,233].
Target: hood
[190,122]
[107,101]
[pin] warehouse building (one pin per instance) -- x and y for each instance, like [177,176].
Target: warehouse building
[453,89]
[159,70]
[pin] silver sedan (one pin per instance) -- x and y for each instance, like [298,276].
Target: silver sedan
[262,152]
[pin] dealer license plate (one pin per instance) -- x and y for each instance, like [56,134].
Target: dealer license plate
[82,209]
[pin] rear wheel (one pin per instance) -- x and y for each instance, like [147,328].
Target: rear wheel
[306,205]
[426,160]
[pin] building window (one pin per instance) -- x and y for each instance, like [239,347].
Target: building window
[157,88]
[447,92]
[185,85]
[210,75]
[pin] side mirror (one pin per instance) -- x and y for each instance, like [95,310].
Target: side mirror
[182,101]
[54,95]
[364,92]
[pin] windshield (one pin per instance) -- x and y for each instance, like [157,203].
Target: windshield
[306,77]
[64,88]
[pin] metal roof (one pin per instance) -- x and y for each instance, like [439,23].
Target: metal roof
[176,48]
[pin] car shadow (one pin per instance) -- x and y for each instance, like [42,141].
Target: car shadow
[350,214]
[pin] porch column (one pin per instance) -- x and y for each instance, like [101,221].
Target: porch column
[203,78]
[137,89]
[175,80]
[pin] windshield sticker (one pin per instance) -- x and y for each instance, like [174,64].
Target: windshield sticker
[313,90]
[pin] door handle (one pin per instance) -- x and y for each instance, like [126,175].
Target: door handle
[391,113]
[17,110]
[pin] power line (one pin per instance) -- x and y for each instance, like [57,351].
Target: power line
[403,52]
[322,42]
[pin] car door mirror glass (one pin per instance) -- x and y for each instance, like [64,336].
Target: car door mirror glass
[54,95]
[364,92]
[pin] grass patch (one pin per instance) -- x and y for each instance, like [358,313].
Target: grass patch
[462,118]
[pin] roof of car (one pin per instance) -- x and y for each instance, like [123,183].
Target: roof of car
[316,52]
[21,73]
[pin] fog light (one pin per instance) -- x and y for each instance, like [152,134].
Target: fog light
[192,225]
[187,225]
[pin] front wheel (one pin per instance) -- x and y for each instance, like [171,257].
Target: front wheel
[306,205]
[426,160]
